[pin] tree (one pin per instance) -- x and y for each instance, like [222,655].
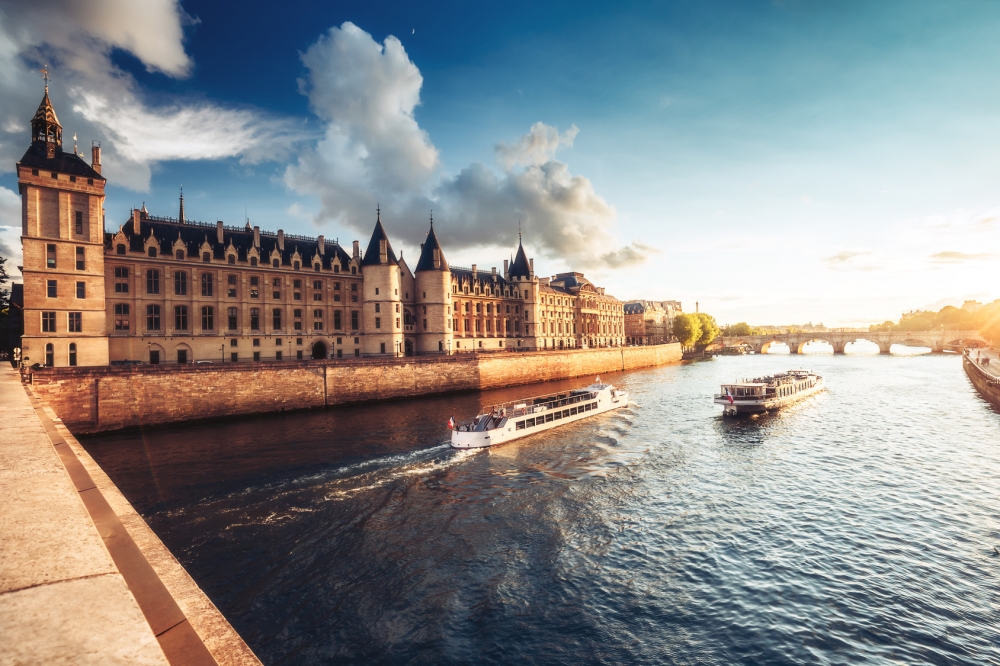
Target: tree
[709,330]
[687,329]
[738,330]
[4,306]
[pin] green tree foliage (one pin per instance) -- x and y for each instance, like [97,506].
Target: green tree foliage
[985,319]
[4,292]
[740,329]
[687,329]
[709,330]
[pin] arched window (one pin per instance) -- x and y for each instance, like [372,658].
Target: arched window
[50,356]
[253,261]
[72,354]
[120,249]
[152,252]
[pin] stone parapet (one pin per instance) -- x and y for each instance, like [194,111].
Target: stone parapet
[110,398]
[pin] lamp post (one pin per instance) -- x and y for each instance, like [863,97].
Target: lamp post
[222,350]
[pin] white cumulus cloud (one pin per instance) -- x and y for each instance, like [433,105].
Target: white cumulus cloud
[374,151]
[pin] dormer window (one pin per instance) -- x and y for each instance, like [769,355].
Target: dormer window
[296,265]
[253,261]
[316,267]
[275,263]
[232,259]
[205,256]
[151,252]
[354,270]
[179,255]
[120,249]
[336,268]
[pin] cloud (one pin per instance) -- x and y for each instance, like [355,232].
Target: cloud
[10,230]
[97,100]
[535,148]
[961,257]
[374,151]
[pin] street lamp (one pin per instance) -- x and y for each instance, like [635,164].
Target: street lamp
[222,350]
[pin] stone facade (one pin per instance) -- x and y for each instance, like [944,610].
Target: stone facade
[650,322]
[169,290]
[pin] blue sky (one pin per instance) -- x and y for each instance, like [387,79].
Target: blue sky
[776,161]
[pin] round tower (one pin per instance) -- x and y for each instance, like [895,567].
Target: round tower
[521,275]
[382,307]
[433,298]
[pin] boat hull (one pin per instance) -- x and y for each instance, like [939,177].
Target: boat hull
[540,420]
[755,406]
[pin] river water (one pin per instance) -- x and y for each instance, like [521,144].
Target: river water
[855,527]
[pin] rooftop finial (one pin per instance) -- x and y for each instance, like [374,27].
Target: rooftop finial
[518,231]
[378,212]
[432,218]
[75,151]
[180,216]
[45,75]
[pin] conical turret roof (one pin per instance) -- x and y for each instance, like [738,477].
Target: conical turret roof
[373,254]
[426,261]
[45,112]
[520,267]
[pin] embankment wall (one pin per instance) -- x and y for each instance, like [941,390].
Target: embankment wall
[100,399]
[987,385]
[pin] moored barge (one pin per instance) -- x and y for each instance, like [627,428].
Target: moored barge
[508,421]
[764,394]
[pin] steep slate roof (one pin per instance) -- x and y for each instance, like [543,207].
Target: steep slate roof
[194,234]
[63,162]
[483,278]
[426,261]
[372,254]
[520,267]
[45,112]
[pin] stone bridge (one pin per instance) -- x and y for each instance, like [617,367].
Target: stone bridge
[938,341]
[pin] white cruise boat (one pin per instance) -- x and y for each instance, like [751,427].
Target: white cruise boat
[512,420]
[764,394]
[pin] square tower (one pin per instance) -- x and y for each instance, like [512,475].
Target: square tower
[62,238]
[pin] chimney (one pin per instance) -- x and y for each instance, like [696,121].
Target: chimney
[95,156]
[281,240]
[531,264]
[474,271]
[218,231]
[136,224]
[322,245]
[357,250]
[494,271]
[256,237]
[506,270]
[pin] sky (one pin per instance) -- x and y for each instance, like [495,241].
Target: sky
[775,162]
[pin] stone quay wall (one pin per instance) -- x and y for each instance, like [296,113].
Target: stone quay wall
[987,384]
[99,399]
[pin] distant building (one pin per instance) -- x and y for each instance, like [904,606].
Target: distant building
[170,290]
[650,322]
[971,306]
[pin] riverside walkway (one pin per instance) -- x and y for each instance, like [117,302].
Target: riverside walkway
[75,586]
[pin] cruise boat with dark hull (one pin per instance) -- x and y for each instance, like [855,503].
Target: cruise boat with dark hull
[764,394]
[508,421]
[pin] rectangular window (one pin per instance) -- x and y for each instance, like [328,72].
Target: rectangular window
[232,319]
[121,317]
[78,222]
[529,423]
[152,282]
[382,346]
[180,283]
[207,318]
[254,281]
[50,288]
[181,317]
[378,322]
[354,320]
[234,357]
[277,356]
[154,357]
[50,256]
[81,261]
[256,356]
[182,356]
[317,285]
[121,280]
[336,320]
[152,317]
[48,322]
[75,322]
[298,355]
[254,319]
[520,425]
[81,289]
[207,281]
[276,318]
[378,308]
[254,293]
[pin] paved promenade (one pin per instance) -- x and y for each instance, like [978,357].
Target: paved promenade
[83,580]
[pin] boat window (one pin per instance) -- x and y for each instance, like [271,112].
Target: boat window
[530,423]
[565,413]
[558,415]
[520,425]
[548,417]
[572,411]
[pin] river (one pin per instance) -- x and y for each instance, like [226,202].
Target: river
[855,527]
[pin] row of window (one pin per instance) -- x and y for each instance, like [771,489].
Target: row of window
[479,308]
[501,325]
[74,322]
[72,179]
[81,257]
[154,314]
[206,257]
[208,280]
[50,354]
[555,416]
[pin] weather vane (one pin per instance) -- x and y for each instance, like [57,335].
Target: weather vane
[45,75]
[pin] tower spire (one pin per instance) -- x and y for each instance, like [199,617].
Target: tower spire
[432,218]
[46,132]
[180,216]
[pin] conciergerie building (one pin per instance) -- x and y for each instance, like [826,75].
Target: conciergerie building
[170,290]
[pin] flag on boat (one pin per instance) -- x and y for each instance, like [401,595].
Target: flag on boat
[451,423]
[729,396]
